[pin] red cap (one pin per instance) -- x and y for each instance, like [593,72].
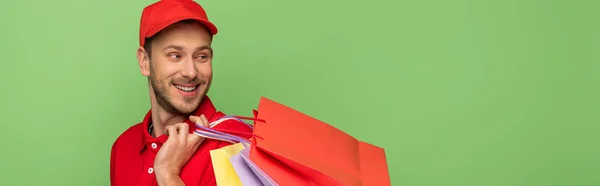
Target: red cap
[159,15]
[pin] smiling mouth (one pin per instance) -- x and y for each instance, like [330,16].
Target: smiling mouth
[187,88]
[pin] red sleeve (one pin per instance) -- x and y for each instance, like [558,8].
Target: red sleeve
[209,178]
[112,163]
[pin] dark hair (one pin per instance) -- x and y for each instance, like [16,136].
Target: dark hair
[148,41]
[148,44]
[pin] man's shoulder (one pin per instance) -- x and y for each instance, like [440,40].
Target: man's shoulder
[130,134]
[125,149]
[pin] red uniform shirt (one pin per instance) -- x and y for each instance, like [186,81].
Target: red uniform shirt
[133,153]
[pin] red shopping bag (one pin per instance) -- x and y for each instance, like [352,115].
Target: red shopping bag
[296,149]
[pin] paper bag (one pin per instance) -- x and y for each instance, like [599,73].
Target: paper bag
[296,149]
[225,175]
[248,172]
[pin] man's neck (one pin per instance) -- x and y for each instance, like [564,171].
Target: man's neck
[161,119]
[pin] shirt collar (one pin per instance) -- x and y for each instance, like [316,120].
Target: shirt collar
[206,107]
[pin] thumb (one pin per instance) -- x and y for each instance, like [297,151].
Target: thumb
[199,121]
[170,131]
[195,138]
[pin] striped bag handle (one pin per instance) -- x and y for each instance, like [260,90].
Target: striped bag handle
[227,135]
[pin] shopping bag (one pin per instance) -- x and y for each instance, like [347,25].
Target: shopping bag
[296,149]
[248,172]
[223,169]
[224,173]
[373,165]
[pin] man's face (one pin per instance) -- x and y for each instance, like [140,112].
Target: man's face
[180,67]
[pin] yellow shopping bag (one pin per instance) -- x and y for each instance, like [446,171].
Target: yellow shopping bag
[224,172]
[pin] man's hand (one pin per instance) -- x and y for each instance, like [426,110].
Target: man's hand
[177,150]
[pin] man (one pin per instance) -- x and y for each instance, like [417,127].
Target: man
[175,54]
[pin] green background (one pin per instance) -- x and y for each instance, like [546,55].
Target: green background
[463,92]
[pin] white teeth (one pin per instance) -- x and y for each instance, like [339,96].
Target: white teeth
[186,89]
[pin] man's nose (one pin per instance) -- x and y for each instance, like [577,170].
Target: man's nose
[189,69]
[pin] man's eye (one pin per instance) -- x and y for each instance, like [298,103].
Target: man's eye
[202,57]
[175,56]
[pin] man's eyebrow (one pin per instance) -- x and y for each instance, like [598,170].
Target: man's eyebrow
[176,47]
[205,47]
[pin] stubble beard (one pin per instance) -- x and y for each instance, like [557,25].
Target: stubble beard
[166,102]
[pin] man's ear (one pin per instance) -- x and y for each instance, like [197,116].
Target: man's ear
[143,61]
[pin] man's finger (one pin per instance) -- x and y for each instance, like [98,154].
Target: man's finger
[171,131]
[204,120]
[183,129]
[196,120]
[194,138]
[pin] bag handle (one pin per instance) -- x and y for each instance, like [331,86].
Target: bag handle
[254,118]
[215,136]
[227,135]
